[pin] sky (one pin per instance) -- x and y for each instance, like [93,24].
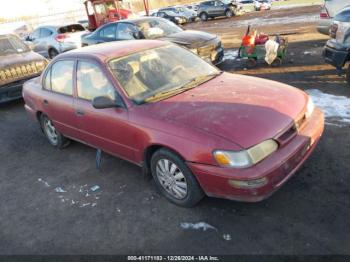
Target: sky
[17,8]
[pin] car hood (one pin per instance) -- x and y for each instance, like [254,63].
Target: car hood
[10,60]
[244,110]
[190,38]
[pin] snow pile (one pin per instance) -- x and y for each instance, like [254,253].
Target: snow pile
[335,108]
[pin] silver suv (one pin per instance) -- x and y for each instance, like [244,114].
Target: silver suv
[50,41]
[216,8]
[328,12]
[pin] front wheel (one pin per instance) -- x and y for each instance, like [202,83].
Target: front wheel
[174,179]
[229,13]
[54,137]
[204,16]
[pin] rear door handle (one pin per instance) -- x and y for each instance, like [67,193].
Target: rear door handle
[80,112]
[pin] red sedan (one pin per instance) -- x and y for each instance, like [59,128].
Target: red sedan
[197,130]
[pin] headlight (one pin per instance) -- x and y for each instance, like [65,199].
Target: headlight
[309,108]
[246,158]
[194,50]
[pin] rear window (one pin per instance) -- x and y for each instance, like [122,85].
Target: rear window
[71,29]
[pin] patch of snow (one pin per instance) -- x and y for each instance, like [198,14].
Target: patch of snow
[227,237]
[197,226]
[95,188]
[278,20]
[60,190]
[230,54]
[44,182]
[335,108]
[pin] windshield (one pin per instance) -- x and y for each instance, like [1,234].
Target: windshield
[147,74]
[12,45]
[156,28]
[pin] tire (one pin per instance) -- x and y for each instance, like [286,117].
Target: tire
[251,63]
[229,13]
[55,138]
[277,62]
[174,179]
[204,16]
[52,53]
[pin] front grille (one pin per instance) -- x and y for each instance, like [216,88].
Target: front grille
[18,72]
[205,51]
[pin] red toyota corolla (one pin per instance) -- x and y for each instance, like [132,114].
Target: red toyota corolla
[197,130]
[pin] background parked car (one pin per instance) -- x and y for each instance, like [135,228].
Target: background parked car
[207,46]
[216,8]
[337,49]
[171,16]
[50,41]
[328,12]
[190,15]
[17,64]
[262,5]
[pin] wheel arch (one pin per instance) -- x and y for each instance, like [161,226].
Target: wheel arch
[148,153]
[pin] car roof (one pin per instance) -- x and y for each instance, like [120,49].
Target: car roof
[113,49]
[136,20]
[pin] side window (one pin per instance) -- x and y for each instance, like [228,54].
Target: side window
[62,77]
[45,32]
[126,31]
[36,34]
[92,82]
[109,32]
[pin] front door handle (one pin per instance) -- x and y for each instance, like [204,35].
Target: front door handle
[80,112]
[46,102]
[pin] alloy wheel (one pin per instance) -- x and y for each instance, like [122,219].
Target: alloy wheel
[171,178]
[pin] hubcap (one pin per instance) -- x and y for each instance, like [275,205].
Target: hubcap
[50,131]
[171,178]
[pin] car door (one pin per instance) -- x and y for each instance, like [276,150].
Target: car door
[37,45]
[106,129]
[107,34]
[57,98]
[220,8]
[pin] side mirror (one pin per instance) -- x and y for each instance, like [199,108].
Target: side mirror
[102,102]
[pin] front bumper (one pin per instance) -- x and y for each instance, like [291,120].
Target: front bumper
[336,54]
[277,168]
[12,91]
[215,57]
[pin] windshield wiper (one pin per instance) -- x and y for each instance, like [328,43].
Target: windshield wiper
[192,83]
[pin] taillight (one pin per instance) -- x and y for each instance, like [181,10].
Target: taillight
[61,37]
[324,14]
[333,30]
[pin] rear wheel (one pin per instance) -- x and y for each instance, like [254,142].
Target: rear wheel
[204,16]
[174,179]
[52,53]
[54,137]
